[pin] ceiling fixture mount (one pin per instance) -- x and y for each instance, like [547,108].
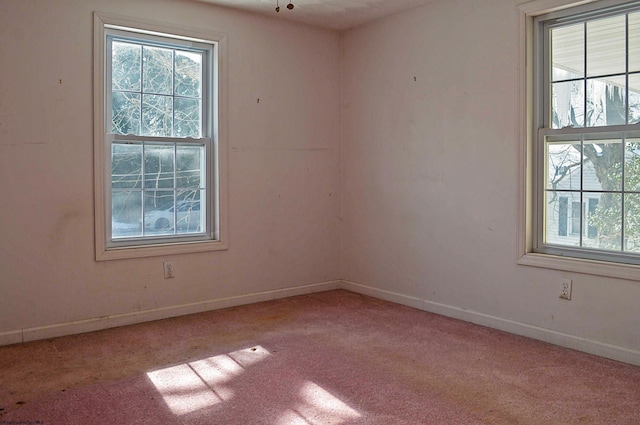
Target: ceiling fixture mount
[289,6]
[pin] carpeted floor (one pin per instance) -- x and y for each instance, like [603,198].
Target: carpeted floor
[329,358]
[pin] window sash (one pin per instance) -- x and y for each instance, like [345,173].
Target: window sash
[544,25]
[207,203]
[208,51]
[583,193]
[210,203]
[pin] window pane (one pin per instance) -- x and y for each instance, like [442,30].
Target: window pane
[590,234]
[190,166]
[567,52]
[606,220]
[568,104]
[634,42]
[188,77]
[634,99]
[591,204]
[558,218]
[187,117]
[126,166]
[563,166]
[632,222]
[606,46]
[157,115]
[190,217]
[158,166]
[603,165]
[126,213]
[606,101]
[125,111]
[125,73]
[632,166]
[158,70]
[576,217]
[159,215]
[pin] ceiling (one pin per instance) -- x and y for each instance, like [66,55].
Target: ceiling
[332,14]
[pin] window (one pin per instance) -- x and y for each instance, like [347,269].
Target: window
[158,150]
[587,132]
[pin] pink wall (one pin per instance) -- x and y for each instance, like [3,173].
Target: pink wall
[283,166]
[431,181]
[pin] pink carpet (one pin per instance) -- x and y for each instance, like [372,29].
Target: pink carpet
[328,358]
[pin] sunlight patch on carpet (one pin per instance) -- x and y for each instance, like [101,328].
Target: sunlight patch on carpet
[317,406]
[200,384]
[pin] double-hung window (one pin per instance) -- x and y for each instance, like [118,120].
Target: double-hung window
[587,132]
[158,156]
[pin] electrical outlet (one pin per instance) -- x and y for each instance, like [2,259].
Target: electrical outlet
[565,289]
[168,270]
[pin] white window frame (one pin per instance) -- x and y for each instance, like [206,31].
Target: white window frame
[216,152]
[530,159]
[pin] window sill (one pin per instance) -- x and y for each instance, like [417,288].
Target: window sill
[598,268]
[159,250]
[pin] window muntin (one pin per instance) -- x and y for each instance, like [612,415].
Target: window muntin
[588,144]
[158,101]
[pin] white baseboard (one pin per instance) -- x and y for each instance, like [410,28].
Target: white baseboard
[100,323]
[10,337]
[557,338]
